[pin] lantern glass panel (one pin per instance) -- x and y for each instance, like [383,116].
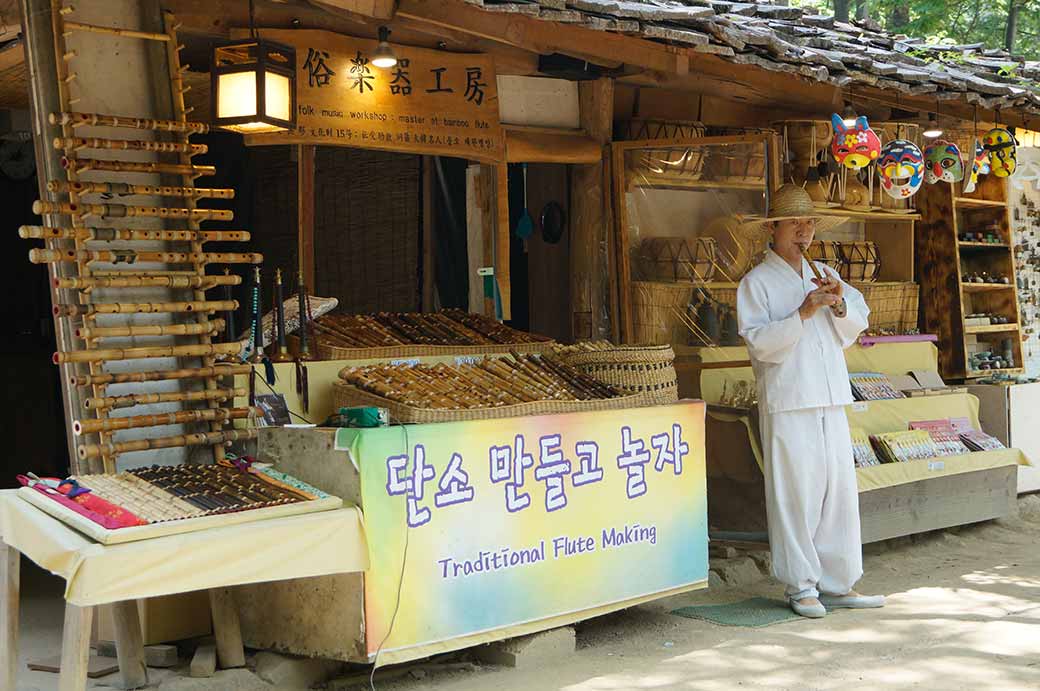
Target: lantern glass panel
[277,96]
[236,95]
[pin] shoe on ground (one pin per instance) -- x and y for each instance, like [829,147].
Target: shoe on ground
[808,607]
[852,600]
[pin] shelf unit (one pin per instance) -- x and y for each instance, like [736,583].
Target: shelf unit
[944,260]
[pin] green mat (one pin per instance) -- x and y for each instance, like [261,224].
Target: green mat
[754,612]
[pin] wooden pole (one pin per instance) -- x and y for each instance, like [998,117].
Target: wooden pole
[227,629]
[114,31]
[209,328]
[129,644]
[146,352]
[75,648]
[107,402]
[10,592]
[88,451]
[81,427]
[305,211]
[161,375]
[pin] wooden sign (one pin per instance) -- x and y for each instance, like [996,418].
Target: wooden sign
[430,102]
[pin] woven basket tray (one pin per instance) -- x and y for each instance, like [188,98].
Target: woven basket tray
[648,370]
[327,352]
[345,395]
[893,305]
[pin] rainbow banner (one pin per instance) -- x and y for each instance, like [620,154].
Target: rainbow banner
[487,529]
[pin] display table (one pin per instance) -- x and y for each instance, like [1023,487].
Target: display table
[327,542]
[490,529]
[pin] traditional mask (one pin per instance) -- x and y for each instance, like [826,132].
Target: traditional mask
[1001,146]
[901,167]
[854,147]
[942,161]
[979,166]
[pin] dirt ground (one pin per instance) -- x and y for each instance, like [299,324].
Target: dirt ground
[963,613]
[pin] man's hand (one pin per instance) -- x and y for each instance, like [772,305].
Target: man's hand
[821,297]
[831,284]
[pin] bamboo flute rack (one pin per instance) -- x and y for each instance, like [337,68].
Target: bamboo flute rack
[71,227]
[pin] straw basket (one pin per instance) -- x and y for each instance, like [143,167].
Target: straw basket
[673,259]
[674,161]
[345,395]
[860,261]
[657,308]
[893,306]
[646,370]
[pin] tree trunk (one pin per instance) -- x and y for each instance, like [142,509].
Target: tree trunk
[862,9]
[898,17]
[841,10]
[1012,25]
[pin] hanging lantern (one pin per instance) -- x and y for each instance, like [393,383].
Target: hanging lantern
[253,86]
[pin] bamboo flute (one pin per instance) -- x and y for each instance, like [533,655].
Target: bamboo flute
[123,256]
[108,234]
[124,211]
[83,165]
[837,309]
[161,375]
[111,424]
[98,120]
[123,188]
[107,402]
[115,31]
[229,314]
[305,347]
[201,282]
[209,328]
[208,349]
[256,321]
[281,353]
[90,310]
[88,451]
[128,145]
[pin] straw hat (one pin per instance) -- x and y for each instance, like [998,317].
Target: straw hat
[788,202]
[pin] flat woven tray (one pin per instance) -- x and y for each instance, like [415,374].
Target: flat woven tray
[347,396]
[328,352]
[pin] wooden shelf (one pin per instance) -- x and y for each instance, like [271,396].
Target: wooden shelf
[978,203]
[643,180]
[975,374]
[985,287]
[867,215]
[984,245]
[991,329]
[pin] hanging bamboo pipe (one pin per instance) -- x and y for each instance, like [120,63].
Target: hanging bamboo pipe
[97,120]
[200,282]
[161,375]
[146,352]
[123,256]
[123,188]
[210,328]
[129,145]
[88,451]
[107,234]
[108,402]
[41,207]
[90,310]
[84,165]
[111,424]
[115,31]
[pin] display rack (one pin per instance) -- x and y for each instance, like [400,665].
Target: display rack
[946,262]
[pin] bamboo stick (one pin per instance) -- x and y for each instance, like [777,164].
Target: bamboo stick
[102,355]
[107,234]
[91,310]
[128,145]
[161,375]
[107,402]
[41,207]
[201,282]
[95,119]
[124,188]
[124,256]
[88,451]
[81,427]
[116,31]
[83,165]
[209,328]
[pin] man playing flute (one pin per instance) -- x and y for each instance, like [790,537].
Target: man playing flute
[797,318]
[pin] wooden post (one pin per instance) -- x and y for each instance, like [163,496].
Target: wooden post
[428,259]
[75,648]
[305,211]
[129,645]
[591,213]
[501,240]
[10,582]
[226,628]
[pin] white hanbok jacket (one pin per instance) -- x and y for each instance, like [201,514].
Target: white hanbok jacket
[798,364]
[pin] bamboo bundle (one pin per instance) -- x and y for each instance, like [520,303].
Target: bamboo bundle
[107,402]
[123,256]
[97,120]
[200,282]
[182,417]
[199,350]
[124,211]
[89,451]
[449,327]
[160,375]
[107,234]
[128,145]
[123,188]
[210,328]
[83,165]
[91,310]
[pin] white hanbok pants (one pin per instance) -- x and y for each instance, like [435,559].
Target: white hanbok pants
[812,502]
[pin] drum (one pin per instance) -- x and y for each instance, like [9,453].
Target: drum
[737,249]
[861,262]
[677,259]
[827,252]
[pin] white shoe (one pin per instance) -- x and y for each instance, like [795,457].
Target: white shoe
[808,607]
[852,600]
